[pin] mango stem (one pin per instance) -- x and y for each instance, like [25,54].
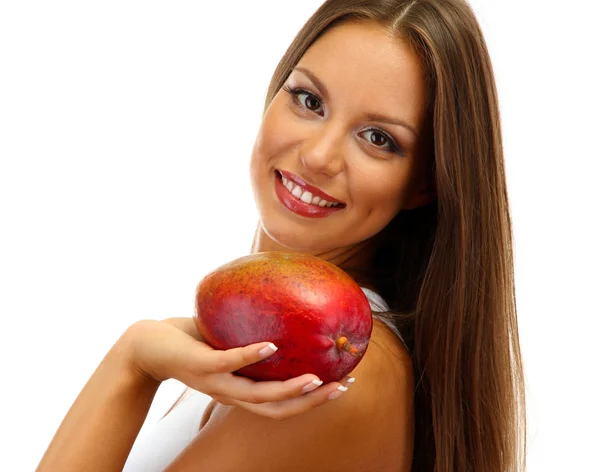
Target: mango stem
[343,343]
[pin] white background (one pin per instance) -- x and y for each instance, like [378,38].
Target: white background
[125,134]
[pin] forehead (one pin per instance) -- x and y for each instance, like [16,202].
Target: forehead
[361,63]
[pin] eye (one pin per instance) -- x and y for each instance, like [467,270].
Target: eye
[380,139]
[310,102]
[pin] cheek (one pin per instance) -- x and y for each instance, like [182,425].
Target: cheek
[261,151]
[275,133]
[384,189]
[387,200]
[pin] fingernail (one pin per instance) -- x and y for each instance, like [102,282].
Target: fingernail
[333,395]
[350,380]
[311,386]
[267,350]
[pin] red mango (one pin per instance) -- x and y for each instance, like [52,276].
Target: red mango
[312,310]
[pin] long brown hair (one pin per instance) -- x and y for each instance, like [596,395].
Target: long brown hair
[446,269]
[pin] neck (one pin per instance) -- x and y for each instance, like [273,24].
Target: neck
[357,256]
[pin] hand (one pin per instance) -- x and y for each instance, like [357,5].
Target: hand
[173,348]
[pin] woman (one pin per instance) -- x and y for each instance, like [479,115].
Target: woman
[380,151]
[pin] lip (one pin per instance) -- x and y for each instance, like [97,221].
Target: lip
[314,190]
[298,206]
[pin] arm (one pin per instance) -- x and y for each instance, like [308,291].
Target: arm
[99,430]
[369,428]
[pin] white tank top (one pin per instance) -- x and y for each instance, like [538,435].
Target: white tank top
[155,449]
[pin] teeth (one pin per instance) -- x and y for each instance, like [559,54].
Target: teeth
[304,195]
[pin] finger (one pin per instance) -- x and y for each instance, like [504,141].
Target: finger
[250,391]
[288,408]
[234,359]
[347,381]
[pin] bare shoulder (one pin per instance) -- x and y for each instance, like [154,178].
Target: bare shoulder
[390,367]
[387,344]
[369,428]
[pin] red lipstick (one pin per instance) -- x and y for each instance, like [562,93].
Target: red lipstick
[314,190]
[297,206]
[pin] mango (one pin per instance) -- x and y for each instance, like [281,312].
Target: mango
[312,310]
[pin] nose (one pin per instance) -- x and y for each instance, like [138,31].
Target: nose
[322,150]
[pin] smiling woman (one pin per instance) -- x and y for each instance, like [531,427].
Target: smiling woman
[319,127]
[379,151]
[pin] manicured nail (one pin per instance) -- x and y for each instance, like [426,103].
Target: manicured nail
[333,395]
[311,386]
[267,350]
[350,380]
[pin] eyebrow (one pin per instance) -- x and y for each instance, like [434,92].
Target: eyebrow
[370,116]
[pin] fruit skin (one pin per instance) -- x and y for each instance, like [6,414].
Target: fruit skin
[301,303]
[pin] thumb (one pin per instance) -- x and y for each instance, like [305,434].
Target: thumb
[233,359]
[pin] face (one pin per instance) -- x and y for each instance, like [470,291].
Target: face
[343,129]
